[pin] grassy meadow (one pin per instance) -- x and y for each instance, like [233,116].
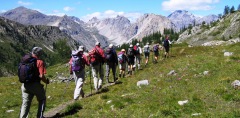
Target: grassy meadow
[209,95]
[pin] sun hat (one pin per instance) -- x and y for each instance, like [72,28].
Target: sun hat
[111,45]
[97,43]
[122,50]
[37,51]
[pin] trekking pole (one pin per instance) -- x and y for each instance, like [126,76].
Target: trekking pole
[90,74]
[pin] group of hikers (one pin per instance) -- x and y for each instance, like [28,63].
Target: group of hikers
[127,60]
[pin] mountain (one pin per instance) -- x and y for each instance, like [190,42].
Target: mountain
[73,26]
[151,23]
[120,29]
[224,31]
[17,39]
[116,29]
[183,18]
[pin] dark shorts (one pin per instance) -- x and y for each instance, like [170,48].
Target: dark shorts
[156,53]
[166,49]
[130,60]
[146,54]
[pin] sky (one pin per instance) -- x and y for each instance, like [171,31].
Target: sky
[132,9]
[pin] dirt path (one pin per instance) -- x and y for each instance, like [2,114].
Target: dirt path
[55,112]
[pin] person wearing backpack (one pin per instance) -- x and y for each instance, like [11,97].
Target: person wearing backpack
[31,83]
[138,53]
[77,68]
[146,50]
[111,62]
[166,45]
[130,56]
[122,59]
[156,52]
[97,59]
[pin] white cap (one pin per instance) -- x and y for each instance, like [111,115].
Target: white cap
[131,46]
[137,44]
[97,43]
[37,51]
[81,48]
[111,45]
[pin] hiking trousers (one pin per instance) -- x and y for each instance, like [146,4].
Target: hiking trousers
[137,61]
[111,65]
[79,77]
[97,73]
[29,90]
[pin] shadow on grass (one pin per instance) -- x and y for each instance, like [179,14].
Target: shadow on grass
[73,110]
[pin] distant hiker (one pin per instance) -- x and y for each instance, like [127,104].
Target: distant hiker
[130,56]
[33,87]
[111,62]
[122,59]
[146,50]
[166,45]
[77,68]
[156,52]
[97,59]
[138,53]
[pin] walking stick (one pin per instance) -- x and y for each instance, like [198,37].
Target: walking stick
[90,74]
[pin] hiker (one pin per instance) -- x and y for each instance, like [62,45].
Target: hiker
[166,45]
[156,52]
[111,62]
[146,50]
[138,53]
[122,59]
[35,88]
[77,68]
[130,56]
[97,59]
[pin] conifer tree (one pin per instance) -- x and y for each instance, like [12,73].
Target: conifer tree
[232,9]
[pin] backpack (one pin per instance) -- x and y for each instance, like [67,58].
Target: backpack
[27,69]
[77,62]
[121,58]
[130,52]
[155,48]
[166,43]
[136,49]
[109,54]
[146,49]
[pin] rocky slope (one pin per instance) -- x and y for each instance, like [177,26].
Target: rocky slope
[17,39]
[73,26]
[224,31]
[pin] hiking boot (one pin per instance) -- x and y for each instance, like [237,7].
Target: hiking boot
[82,95]
[120,75]
[100,87]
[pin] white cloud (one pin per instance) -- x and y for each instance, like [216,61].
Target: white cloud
[1,11]
[111,14]
[24,3]
[68,8]
[171,5]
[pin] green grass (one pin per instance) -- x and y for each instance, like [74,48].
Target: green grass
[211,95]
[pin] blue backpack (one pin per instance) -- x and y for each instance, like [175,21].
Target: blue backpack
[155,48]
[77,64]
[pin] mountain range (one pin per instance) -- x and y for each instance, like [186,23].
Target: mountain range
[116,30]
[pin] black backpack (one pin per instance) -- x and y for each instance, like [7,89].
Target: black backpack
[27,69]
[109,54]
[166,43]
[130,52]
